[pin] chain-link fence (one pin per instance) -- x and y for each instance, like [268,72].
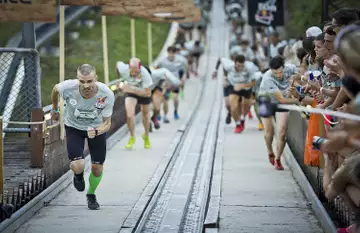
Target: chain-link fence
[296,135]
[19,85]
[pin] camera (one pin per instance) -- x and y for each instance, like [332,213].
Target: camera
[317,142]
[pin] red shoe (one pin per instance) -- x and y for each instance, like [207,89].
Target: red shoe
[345,230]
[272,158]
[250,115]
[156,123]
[278,165]
[238,128]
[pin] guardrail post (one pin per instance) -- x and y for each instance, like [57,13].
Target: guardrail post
[36,139]
[1,158]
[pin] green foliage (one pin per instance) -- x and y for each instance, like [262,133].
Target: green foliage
[306,13]
[89,49]
[7,30]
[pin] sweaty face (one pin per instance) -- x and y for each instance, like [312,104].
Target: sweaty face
[134,71]
[239,66]
[171,56]
[87,83]
[278,73]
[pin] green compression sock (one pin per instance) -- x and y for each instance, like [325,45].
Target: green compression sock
[94,182]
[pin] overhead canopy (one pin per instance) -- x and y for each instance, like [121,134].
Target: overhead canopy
[79,2]
[37,11]
[154,10]
[193,15]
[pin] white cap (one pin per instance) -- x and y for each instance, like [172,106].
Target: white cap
[313,31]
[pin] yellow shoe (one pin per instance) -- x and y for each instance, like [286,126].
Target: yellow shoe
[131,143]
[260,126]
[147,144]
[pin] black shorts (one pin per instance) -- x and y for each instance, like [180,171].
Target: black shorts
[196,55]
[140,100]
[157,88]
[227,90]
[181,73]
[242,93]
[75,140]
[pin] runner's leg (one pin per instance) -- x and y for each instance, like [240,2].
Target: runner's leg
[130,104]
[97,148]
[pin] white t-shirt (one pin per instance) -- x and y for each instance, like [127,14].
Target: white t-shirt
[161,74]
[82,113]
[144,80]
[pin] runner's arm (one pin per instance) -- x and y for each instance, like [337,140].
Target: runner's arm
[105,126]
[284,100]
[144,92]
[106,114]
[55,98]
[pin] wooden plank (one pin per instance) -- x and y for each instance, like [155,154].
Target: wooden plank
[36,139]
[28,11]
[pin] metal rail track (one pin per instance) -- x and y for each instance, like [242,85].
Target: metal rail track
[180,199]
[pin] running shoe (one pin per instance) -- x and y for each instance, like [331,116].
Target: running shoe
[182,94]
[146,139]
[176,115]
[271,158]
[239,128]
[250,115]
[166,120]
[260,126]
[131,142]
[156,123]
[79,182]
[228,119]
[92,202]
[278,165]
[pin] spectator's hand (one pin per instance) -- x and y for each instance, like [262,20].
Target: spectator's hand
[315,85]
[334,65]
[336,141]
[293,92]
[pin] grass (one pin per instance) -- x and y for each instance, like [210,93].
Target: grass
[88,49]
[7,30]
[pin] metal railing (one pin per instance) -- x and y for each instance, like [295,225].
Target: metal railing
[20,89]
[296,136]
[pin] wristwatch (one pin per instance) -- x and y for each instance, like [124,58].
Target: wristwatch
[55,110]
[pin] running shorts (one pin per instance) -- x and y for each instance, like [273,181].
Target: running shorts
[75,140]
[227,90]
[140,99]
[242,93]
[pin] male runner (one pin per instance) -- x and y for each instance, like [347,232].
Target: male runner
[87,115]
[241,76]
[163,80]
[197,49]
[136,82]
[177,65]
[276,84]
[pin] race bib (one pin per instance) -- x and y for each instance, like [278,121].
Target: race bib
[85,115]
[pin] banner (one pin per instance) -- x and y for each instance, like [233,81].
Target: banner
[79,2]
[28,10]
[266,12]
